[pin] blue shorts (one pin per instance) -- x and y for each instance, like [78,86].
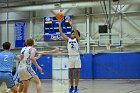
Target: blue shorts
[7,78]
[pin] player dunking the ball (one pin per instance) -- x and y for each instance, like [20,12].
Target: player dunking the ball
[74,55]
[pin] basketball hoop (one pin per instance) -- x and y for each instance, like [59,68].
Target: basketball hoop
[108,46]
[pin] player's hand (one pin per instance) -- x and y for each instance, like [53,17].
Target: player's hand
[20,57]
[56,50]
[39,55]
[58,53]
[40,69]
[70,22]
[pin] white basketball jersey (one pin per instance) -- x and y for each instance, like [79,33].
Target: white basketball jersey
[26,60]
[22,50]
[73,47]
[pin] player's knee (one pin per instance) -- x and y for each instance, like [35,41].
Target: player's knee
[14,90]
[21,87]
[37,82]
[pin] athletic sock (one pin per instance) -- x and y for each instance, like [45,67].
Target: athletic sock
[71,86]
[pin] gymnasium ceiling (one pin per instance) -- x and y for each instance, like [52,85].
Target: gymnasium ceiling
[52,1]
[19,3]
[14,3]
[5,3]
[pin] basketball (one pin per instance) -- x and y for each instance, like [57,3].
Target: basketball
[59,15]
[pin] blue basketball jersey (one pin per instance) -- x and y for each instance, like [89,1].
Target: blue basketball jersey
[6,61]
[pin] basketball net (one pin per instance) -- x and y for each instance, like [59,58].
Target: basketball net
[108,46]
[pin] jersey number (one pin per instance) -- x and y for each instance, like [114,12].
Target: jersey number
[23,52]
[6,58]
[72,45]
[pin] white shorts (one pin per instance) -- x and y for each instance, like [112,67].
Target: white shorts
[74,61]
[26,73]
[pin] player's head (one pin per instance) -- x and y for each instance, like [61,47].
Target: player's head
[73,35]
[6,45]
[24,44]
[30,42]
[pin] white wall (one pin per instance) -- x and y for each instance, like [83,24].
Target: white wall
[60,67]
[4,32]
[12,18]
[0,37]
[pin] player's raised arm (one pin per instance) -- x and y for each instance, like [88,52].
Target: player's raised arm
[61,33]
[75,30]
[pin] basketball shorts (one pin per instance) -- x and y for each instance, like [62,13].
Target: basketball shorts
[74,61]
[7,78]
[26,73]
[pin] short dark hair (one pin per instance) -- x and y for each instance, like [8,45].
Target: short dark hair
[77,32]
[29,42]
[6,45]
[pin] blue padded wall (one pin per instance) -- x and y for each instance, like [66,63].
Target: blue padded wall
[102,65]
[86,67]
[46,63]
[116,65]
